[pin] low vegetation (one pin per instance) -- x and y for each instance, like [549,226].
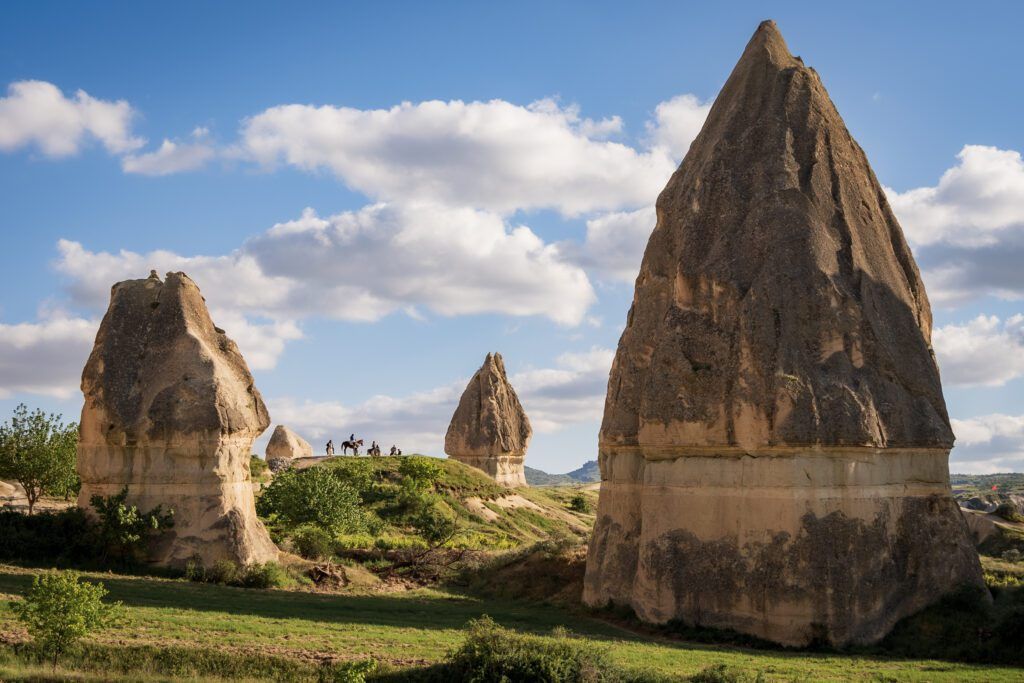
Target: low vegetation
[58,610]
[171,625]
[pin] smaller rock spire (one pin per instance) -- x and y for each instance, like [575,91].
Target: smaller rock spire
[490,430]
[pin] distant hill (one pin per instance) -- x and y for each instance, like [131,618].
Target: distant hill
[535,477]
[587,474]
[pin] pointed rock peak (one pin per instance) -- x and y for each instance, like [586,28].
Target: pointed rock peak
[767,45]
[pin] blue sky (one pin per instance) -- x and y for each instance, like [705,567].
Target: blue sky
[503,207]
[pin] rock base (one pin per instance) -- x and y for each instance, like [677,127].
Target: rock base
[507,470]
[213,517]
[791,545]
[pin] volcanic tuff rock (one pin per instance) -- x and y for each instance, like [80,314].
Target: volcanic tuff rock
[285,444]
[490,430]
[171,412]
[774,445]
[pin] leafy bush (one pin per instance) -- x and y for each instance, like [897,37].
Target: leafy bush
[38,451]
[348,672]
[59,610]
[228,573]
[579,503]
[312,496]
[436,525]
[493,653]
[313,542]
[1013,555]
[419,472]
[123,530]
[266,575]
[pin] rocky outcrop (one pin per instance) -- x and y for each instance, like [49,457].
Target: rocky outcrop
[285,445]
[490,430]
[774,446]
[171,412]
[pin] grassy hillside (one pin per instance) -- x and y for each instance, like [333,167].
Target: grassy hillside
[488,516]
[204,632]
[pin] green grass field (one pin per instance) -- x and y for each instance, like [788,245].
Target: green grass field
[203,630]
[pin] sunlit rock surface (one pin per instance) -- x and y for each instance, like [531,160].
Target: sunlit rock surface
[774,445]
[490,430]
[171,412]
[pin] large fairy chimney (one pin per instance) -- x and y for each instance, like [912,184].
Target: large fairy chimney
[490,430]
[171,412]
[775,440]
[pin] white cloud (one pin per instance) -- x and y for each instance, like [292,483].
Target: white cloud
[615,243]
[975,201]
[987,444]
[572,392]
[982,352]
[490,155]
[38,113]
[677,122]
[365,264]
[172,157]
[553,398]
[968,230]
[45,357]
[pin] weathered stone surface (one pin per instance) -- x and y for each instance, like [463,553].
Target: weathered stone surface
[774,445]
[490,430]
[285,444]
[171,412]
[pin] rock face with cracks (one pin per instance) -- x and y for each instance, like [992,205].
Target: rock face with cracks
[774,446]
[171,412]
[285,444]
[490,430]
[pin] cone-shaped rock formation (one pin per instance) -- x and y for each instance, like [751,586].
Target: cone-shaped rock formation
[171,412]
[775,440]
[490,430]
[285,444]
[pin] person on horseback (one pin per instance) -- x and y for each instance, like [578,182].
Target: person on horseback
[330,447]
[394,450]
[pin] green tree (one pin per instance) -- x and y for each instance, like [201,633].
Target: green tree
[38,451]
[124,529]
[59,610]
[313,496]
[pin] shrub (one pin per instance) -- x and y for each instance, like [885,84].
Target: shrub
[228,573]
[313,542]
[59,610]
[434,524]
[493,653]
[312,496]
[267,575]
[348,672]
[1013,555]
[123,530]
[579,503]
[419,472]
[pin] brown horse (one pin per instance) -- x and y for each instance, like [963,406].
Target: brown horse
[354,445]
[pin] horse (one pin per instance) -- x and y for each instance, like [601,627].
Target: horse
[354,445]
[374,451]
